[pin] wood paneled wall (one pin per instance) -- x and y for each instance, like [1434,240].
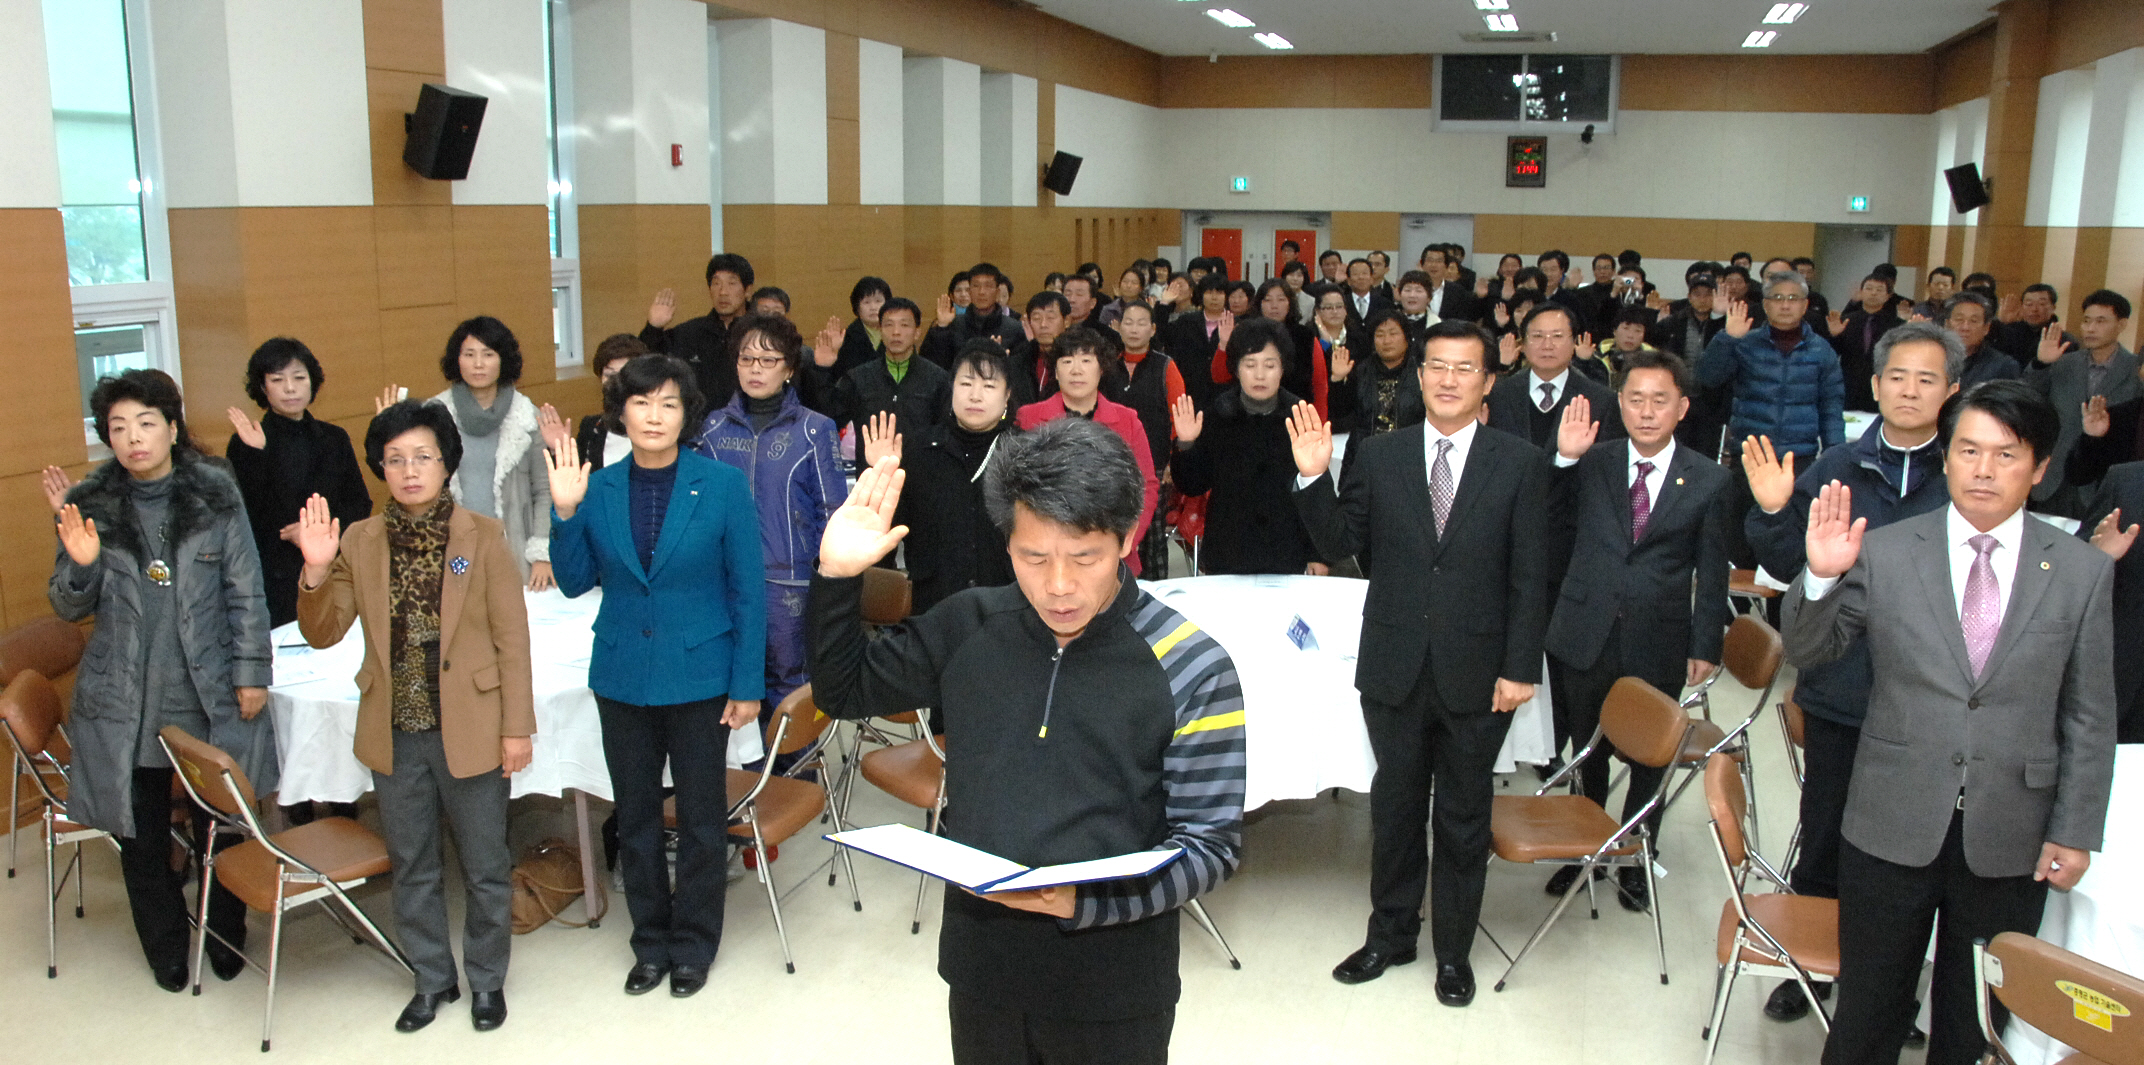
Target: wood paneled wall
[1297,81]
[1822,84]
[1667,238]
[44,425]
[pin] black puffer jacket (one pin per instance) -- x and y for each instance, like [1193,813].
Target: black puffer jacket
[1252,525]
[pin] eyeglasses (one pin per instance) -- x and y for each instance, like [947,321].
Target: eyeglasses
[1786,299]
[1548,336]
[1440,368]
[764,362]
[419,462]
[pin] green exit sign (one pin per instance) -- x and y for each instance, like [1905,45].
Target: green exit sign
[1857,204]
[1239,184]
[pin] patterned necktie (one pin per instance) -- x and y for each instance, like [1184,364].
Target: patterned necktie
[1983,607]
[1440,485]
[1641,503]
[1548,396]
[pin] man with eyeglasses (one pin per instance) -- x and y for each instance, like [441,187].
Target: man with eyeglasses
[1453,514]
[1786,381]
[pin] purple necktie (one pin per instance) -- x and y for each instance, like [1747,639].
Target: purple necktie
[1440,486]
[1641,503]
[1982,615]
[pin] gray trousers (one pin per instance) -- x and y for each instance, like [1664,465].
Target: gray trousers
[412,799]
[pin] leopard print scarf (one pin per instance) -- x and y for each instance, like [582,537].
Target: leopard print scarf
[416,567]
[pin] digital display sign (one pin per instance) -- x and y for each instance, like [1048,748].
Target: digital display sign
[1526,162]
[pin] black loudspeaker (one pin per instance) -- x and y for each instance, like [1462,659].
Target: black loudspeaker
[1967,191]
[1064,169]
[442,132]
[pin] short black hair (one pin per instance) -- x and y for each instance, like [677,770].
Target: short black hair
[731,262]
[411,414]
[1212,282]
[1889,283]
[645,375]
[1053,278]
[987,270]
[959,279]
[1070,471]
[1556,256]
[1082,279]
[1460,329]
[150,388]
[2041,286]
[1258,299]
[1295,266]
[1046,298]
[1387,313]
[1979,280]
[1164,264]
[1140,304]
[1250,291]
[1085,338]
[1800,261]
[769,292]
[1286,244]
[1327,254]
[1888,271]
[613,348]
[1655,359]
[1351,263]
[1604,255]
[1570,317]
[1741,255]
[1629,257]
[1736,271]
[987,356]
[1945,271]
[493,334]
[1636,314]
[865,286]
[1416,277]
[2110,299]
[1255,335]
[273,356]
[2018,406]
[780,333]
[901,303]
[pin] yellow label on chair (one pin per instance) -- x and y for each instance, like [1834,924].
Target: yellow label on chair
[2092,1007]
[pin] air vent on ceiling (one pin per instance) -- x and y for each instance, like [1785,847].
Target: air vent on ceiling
[1521,37]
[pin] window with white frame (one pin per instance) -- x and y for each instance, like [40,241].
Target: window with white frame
[1526,93]
[565,230]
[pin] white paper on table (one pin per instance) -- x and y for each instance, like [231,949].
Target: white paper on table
[984,872]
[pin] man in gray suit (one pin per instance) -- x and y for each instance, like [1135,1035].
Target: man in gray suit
[2071,377]
[1988,752]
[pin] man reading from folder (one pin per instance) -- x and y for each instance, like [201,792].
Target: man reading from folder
[1083,719]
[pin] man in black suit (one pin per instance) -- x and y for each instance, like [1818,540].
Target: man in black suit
[1531,406]
[1451,512]
[2121,491]
[1649,519]
[1447,297]
[1363,299]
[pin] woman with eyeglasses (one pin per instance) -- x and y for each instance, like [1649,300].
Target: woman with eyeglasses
[447,708]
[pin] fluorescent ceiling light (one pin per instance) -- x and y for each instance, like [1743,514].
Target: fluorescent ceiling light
[1784,14]
[1492,5]
[1272,40]
[1228,17]
[1759,38]
[1502,23]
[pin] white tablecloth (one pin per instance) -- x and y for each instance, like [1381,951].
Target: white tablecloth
[315,705]
[2102,917]
[1303,730]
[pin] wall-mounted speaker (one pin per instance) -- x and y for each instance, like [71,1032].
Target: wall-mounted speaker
[1967,191]
[1064,169]
[442,132]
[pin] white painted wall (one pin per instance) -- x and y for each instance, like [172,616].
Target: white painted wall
[1961,137]
[496,48]
[1010,177]
[1124,149]
[773,112]
[2060,130]
[29,156]
[941,131]
[2117,95]
[879,123]
[640,86]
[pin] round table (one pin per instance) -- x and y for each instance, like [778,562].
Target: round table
[1303,730]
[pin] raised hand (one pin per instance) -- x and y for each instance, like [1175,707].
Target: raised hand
[249,431]
[1834,538]
[2109,536]
[2052,345]
[862,530]
[2096,422]
[1339,364]
[388,397]
[1507,348]
[1654,301]
[56,486]
[1738,319]
[1576,433]
[1503,315]
[569,477]
[1835,323]
[1481,288]
[1585,345]
[2010,310]
[319,536]
[880,440]
[1188,422]
[551,426]
[1228,326]
[663,309]
[1310,440]
[945,310]
[1771,477]
[826,347]
[79,536]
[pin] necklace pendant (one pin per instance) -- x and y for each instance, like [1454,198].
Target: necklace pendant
[160,572]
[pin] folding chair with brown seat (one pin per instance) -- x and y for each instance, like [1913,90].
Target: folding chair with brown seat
[775,807]
[1795,937]
[1742,587]
[2097,1010]
[30,712]
[1647,727]
[914,773]
[1752,655]
[1794,728]
[274,874]
[50,647]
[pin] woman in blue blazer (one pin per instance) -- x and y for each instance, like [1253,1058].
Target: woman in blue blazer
[680,647]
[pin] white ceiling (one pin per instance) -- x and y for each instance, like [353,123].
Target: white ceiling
[1614,27]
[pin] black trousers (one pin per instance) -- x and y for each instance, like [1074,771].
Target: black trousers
[987,1035]
[1589,689]
[1885,912]
[680,925]
[1827,768]
[1740,499]
[154,892]
[1422,747]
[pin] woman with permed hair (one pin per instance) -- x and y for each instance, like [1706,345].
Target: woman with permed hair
[502,473]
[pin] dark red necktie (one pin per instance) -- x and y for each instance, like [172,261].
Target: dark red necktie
[1641,503]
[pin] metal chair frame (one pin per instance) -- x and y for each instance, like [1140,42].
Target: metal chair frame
[54,811]
[1734,744]
[746,809]
[1751,935]
[289,870]
[2070,998]
[25,637]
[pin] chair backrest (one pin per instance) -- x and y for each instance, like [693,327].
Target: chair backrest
[1644,724]
[1754,652]
[32,710]
[1797,728]
[806,722]
[48,645]
[1725,799]
[888,596]
[2097,1010]
[204,766]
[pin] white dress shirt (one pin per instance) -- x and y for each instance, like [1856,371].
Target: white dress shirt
[1631,458]
[1462,442]
[2009,543]
[1362,303]
[1436,301]
[616,446]
[1556,385]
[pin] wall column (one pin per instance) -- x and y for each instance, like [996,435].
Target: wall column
[2004,247]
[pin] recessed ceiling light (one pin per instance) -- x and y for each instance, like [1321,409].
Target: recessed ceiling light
[1502,23]
[1272,40]
[1492,5]
[1784,14]
[1759,38]
[1228,17]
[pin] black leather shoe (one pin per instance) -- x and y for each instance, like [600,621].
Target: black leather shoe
[1915,1038]
[171,978]
[424,1007]
[487,1010]
[1455,984]
[645,977]
[1366,965]
[225,962]
[1634,896]
[1561,882]
[687,980]
[1787,1003]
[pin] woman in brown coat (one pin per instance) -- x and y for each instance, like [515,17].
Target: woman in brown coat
[446,709]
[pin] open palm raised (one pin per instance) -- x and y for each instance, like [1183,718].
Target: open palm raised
[862,530]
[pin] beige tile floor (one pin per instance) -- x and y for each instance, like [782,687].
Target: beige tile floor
[865,990]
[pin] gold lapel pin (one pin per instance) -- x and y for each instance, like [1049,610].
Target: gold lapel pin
[1678,480]
[2044,565]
